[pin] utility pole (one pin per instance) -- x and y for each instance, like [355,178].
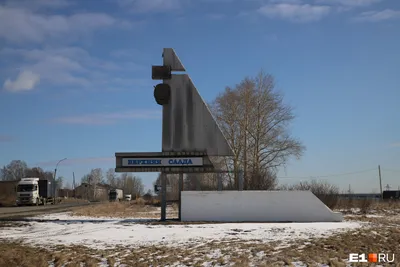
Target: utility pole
[55,177]
[380,180]
[73,180]
[73,184]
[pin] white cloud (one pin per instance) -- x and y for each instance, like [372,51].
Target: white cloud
[395,144]
[146,6]
[75,161]
[19,25]
[215,16]
[294,12]
[376,16]
[25,81]
[351,3]
[38,4]
[109,118]
[285,1]
[74,66]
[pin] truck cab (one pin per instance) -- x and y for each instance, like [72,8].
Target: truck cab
[28,191]
[33,191]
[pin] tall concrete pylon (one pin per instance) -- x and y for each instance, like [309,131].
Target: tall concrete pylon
[187,121]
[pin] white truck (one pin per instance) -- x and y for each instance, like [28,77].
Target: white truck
[33,191]
[128,197]
[116,195]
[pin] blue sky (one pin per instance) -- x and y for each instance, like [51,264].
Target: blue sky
[75,78]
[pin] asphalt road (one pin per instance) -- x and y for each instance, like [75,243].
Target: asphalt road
[26,211]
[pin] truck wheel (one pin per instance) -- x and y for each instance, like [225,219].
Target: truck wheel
[37,202]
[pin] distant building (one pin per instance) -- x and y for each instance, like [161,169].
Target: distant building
[391,194]
[92,192]
[148,197]
[386,195]
[8,193]
[360,196]
[66,193]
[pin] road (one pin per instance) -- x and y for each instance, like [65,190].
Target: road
[26,211]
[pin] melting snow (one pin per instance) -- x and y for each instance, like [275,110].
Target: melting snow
[99,233]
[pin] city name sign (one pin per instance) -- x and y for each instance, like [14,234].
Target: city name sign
[162,162]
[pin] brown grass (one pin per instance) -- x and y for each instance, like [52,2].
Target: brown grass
[113,209]
[367,206]
[7,201]
[18,254]
[140,201]
[73,200]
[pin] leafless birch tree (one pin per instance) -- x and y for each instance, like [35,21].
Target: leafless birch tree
[255,120]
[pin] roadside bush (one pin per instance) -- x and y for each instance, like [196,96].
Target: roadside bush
[365,205]
[140,201]
[347,203]
[156,203]
[8,201]
[327,193]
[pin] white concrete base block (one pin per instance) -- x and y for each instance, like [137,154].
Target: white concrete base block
[255,206]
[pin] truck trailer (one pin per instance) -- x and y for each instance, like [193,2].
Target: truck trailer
[33,191]
[116,195]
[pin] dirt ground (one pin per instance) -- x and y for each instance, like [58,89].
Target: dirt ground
[381,235]
[117,209]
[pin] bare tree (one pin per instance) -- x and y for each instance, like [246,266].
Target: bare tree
[39,173]
[15,170]
[172,184]
[96,176]
[130,184]
[111,177]
[67,186]
[327,193]
[256,122]
[93,179]
[85,179]
[59,182]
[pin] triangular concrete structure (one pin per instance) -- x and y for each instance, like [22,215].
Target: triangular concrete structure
[187,121]
[173,60]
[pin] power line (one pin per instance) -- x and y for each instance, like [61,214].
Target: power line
[389,170]
[324,176]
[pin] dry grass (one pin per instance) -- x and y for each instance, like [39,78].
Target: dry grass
[8,201]
[113,209]
[366,206]
[18,254]
[73,200]
[140,201]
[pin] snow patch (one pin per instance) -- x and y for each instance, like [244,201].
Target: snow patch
[106,233]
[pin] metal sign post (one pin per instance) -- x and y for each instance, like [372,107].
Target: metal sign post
[180,194]
[163,196]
